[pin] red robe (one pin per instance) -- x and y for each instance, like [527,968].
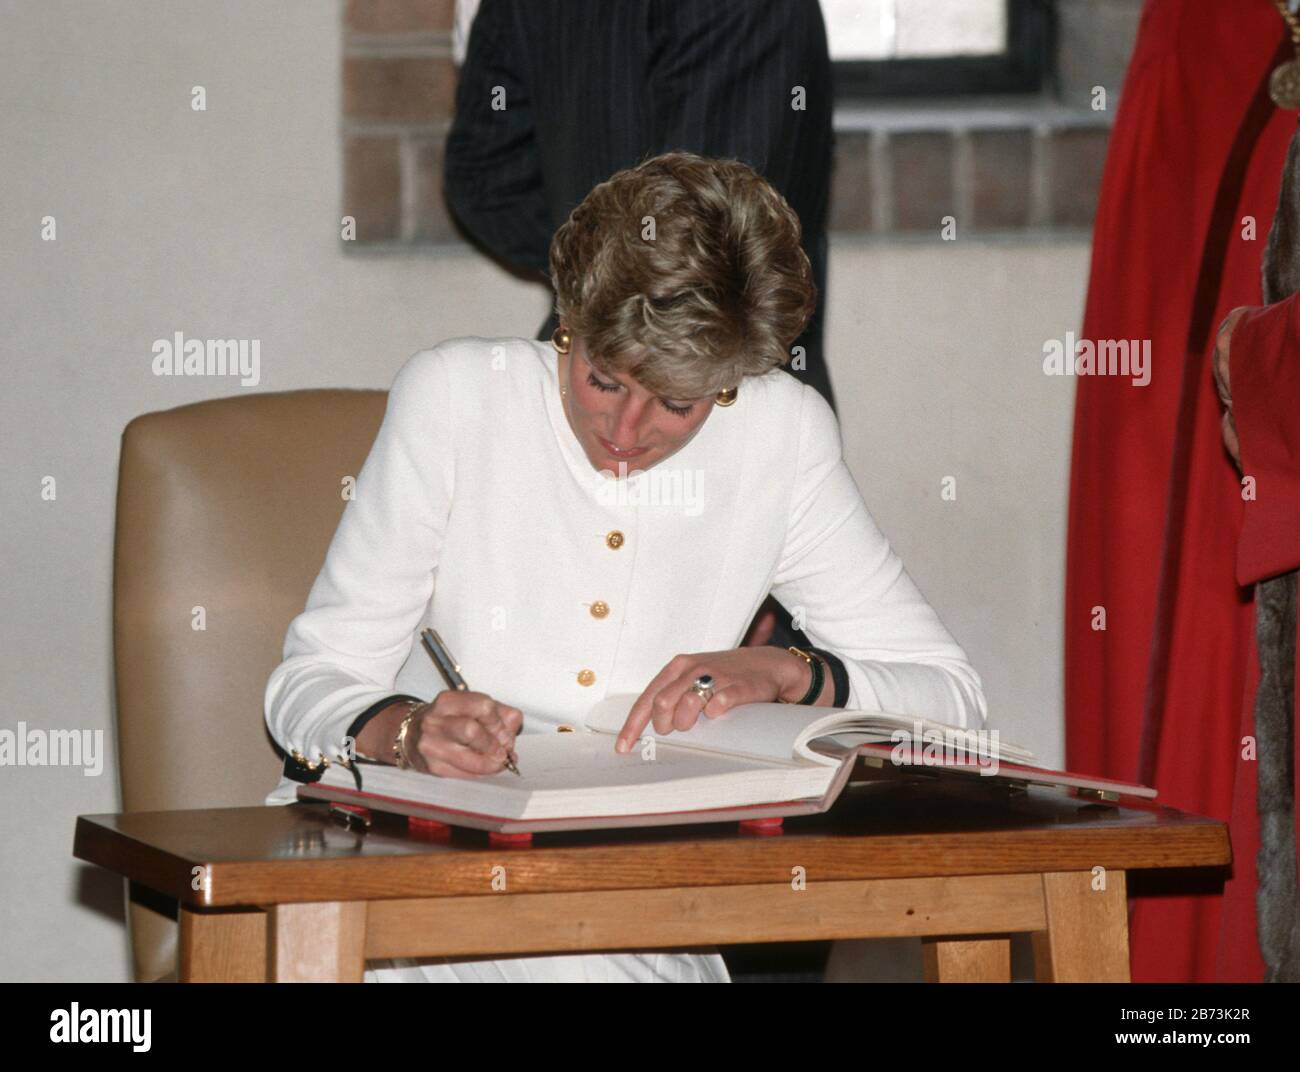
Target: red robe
[1265,385]
[1164,693]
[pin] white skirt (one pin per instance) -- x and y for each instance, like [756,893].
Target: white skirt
[578,968]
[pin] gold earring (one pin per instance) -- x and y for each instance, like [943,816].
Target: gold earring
[561,340]
[726,397]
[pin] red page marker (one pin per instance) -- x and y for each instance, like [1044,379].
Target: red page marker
[761,827]
[510,841]
[427,829]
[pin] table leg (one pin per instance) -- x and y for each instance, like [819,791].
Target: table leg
[221,946]
[320,942]
[979,959]
[1086,940]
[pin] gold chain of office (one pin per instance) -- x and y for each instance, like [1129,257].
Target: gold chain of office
[1284,83]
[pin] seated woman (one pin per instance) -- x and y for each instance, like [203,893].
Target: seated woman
[605,513]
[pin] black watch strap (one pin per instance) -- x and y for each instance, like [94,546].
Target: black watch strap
[818,669]
[839,676]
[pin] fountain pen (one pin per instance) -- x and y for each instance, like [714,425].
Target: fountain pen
[450,670]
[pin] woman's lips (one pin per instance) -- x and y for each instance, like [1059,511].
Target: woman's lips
[613,451]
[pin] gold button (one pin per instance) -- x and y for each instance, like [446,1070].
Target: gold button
[614,540]
[586,677]
[599,609]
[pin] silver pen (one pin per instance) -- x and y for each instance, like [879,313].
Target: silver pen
[450,670]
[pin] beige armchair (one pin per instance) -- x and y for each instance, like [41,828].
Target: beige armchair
[224,512]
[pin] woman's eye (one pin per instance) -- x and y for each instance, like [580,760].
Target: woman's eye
[601,385]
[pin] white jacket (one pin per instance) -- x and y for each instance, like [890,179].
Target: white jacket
[478,512]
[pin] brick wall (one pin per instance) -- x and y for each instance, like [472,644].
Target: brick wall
[990,170]
[996,165]
[399,86]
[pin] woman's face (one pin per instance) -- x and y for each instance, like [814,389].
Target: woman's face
[617,420]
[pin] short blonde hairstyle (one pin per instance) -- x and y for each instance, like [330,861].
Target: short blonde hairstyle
[718,290]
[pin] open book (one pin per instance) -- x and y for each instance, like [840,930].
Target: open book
[756,761]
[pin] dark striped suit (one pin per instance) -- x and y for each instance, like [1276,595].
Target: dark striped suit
[594,86]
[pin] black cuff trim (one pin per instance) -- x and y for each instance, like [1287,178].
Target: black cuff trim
[839,676]
[300,772]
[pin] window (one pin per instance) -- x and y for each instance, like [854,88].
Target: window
[914,48]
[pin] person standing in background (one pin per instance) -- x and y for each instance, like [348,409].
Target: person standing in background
[557,95]
[1160,661]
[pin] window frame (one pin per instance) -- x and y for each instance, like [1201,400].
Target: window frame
[1022,68]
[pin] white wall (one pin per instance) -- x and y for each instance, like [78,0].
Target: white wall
[224,224]
[936,355]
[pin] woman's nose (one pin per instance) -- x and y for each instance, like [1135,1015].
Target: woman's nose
[627,423]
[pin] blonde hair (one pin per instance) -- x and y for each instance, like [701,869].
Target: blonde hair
[684,272]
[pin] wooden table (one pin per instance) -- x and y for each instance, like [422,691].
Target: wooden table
[285,893]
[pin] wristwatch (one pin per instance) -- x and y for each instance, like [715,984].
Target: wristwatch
[818,675]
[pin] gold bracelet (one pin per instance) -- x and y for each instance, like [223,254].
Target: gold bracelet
[399,742]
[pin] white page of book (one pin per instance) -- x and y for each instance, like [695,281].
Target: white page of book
[783,731]
[761,731]
[581,774]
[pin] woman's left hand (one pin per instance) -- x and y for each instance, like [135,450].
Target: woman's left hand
[740,676]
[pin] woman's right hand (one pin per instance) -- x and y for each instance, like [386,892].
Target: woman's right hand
[462,734]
